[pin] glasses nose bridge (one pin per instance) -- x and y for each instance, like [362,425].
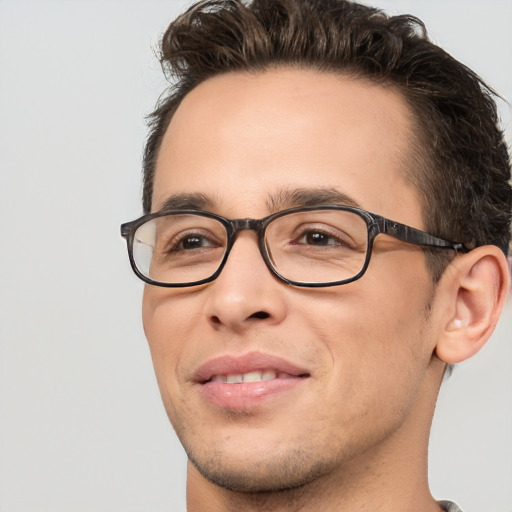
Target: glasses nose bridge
[238,225]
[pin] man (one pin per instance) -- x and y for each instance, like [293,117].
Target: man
[327,221]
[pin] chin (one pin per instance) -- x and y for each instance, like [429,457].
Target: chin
[271,473]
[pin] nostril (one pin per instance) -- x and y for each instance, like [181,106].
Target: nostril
[260,314]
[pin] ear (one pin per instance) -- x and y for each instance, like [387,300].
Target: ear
[474,289]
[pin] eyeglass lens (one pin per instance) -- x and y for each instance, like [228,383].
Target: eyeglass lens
[317,246]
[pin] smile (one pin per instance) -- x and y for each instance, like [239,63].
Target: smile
[254,376]
[246,382]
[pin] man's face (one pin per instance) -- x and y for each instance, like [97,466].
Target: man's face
[348,364]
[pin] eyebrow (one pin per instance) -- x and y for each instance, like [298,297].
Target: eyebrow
[192,201]
[309,197]
[276,202]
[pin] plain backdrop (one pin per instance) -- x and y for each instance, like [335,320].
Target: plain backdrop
[81,423]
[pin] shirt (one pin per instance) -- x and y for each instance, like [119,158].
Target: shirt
[449,506]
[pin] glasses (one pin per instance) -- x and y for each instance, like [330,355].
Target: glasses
[307,246]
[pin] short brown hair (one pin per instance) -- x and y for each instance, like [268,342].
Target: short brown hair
[463,165]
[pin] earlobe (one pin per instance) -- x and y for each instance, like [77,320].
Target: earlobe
[476,288]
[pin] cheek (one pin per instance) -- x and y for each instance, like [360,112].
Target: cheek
[169,323]
[396,322]
[378,370]
[165,321]
[377,332]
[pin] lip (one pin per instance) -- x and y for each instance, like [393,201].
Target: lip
[253,361]
[247,395]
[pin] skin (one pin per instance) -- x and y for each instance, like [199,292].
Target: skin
[354,434]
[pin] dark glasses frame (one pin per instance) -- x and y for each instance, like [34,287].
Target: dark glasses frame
[375,224]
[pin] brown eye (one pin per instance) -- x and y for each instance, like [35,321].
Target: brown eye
[194,242]
[317,238]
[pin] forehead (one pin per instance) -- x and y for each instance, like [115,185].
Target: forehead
[245,138]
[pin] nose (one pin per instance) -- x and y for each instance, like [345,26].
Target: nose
[246,293]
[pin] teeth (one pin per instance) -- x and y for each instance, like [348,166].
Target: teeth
[234,379]
[252,377]
[268,375]
[255,376]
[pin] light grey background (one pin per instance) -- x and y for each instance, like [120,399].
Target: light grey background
[81,424]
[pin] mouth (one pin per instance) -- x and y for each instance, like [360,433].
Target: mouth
[247,381]
[253,376]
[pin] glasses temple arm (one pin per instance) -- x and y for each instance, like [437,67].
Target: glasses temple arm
[416,236]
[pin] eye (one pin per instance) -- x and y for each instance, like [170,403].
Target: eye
[194,242]
[321,236]
[191,241]
[317,238]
